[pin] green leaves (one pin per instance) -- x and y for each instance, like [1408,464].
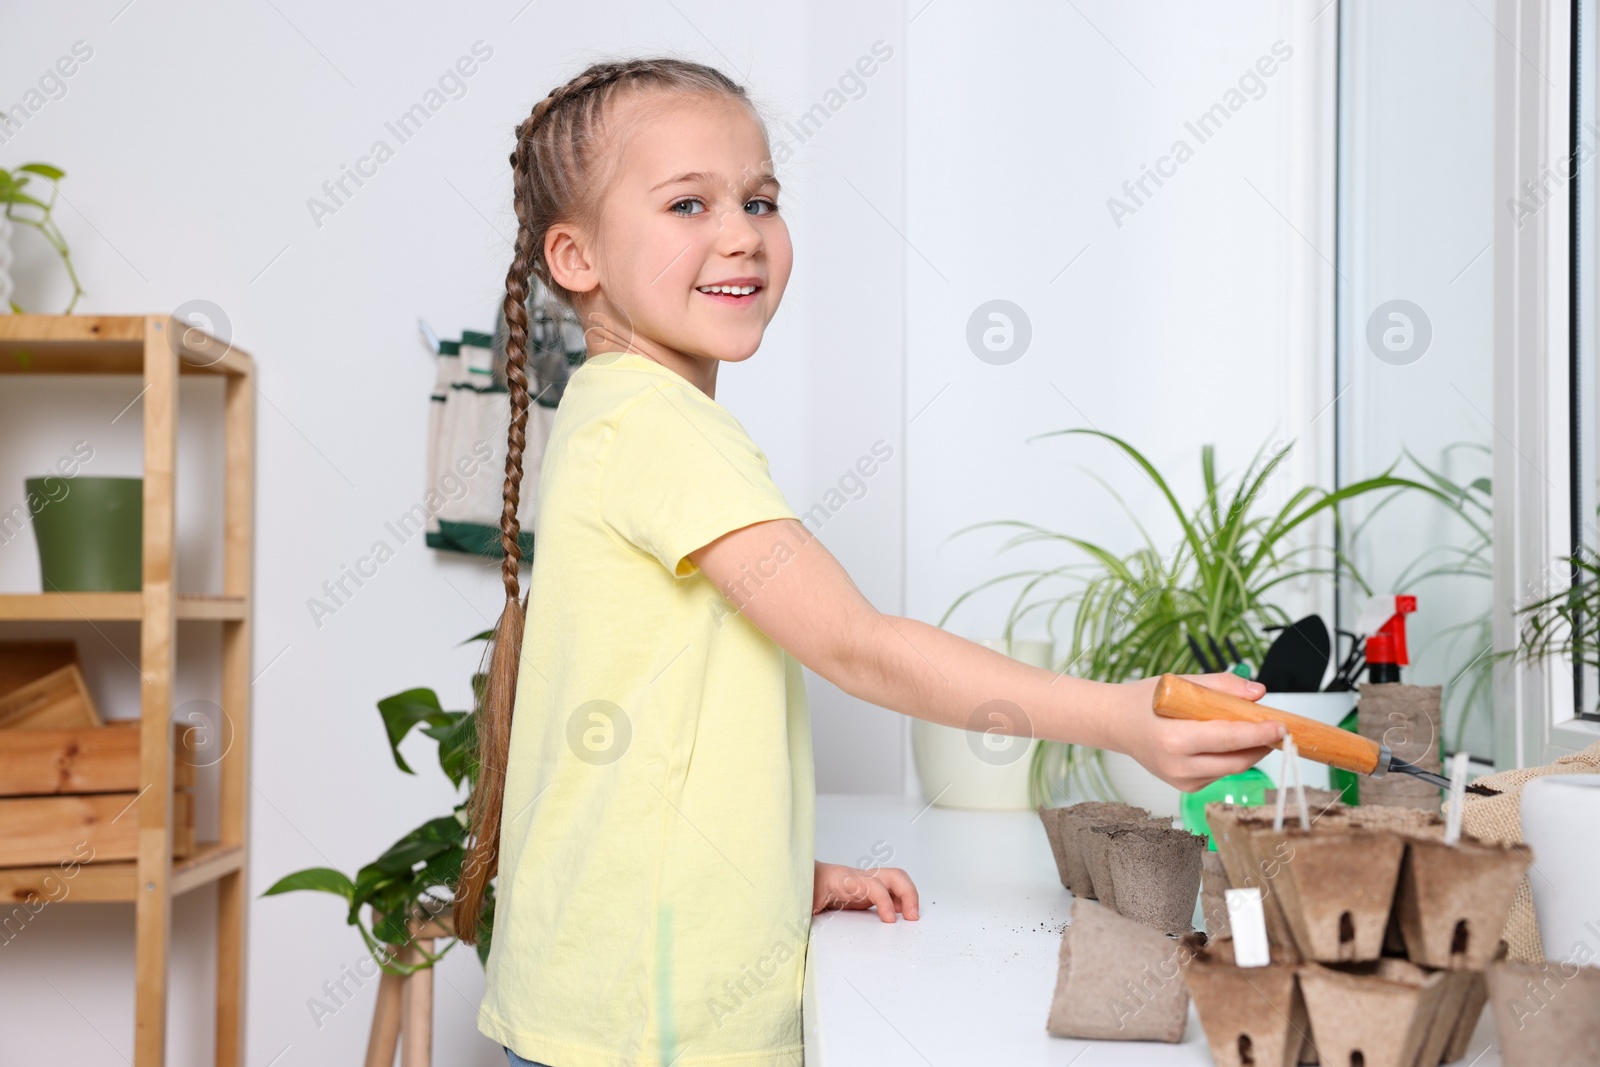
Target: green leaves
[1132,612]
[44,170]
[403,711]
[404,881]
[1562,623]
[427,857]
[38,214]
[321,879]
[458,748]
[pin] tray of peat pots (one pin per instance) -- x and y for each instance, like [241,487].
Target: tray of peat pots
[1147,871]
[1328,889]
[1390,1012]
[1068,829]
[1252,1016]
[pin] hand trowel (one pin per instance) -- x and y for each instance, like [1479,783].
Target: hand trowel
[1179,698]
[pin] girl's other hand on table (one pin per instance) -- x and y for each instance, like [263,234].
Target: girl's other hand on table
[889,889]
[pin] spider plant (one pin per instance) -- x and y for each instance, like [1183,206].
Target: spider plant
[414,875]
[1134,612]
[1563,623]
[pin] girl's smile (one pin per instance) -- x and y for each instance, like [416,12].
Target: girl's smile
[740,292]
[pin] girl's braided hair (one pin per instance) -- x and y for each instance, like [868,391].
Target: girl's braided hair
[558,174]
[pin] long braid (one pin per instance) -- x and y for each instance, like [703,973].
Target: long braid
[552,179]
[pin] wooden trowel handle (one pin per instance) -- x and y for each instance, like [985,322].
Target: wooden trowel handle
[1179,698]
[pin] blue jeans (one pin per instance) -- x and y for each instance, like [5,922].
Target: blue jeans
[518,1061]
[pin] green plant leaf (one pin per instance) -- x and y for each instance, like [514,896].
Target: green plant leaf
[396,879]
[14,195]
[44,170]
[403,711]
[391,928]
[423,843]
[321,879]
[486,927]
[458,747]
[1148,468]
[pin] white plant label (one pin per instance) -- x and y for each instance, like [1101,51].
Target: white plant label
[1248,920]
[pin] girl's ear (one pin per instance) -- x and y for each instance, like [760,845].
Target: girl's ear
[568,259]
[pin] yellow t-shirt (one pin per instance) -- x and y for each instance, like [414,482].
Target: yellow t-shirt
[657,841]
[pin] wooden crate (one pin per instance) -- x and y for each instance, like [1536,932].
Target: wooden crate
[60,699]
[22,662]
[91,827]
[72,795]
[95,759]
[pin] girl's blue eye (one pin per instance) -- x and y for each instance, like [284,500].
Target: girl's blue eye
[772,207]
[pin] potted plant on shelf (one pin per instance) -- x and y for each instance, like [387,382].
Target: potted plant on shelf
[1134,612]
[412,879]
[24,207]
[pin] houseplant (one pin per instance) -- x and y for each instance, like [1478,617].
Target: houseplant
[1563,624]
[26,208]
[414,875]
[1133,612]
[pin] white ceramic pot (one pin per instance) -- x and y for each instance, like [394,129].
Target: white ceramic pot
[1561,823]
[1135,785]
[1327,708]
[978,769]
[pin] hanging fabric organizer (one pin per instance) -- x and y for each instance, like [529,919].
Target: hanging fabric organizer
[469,415]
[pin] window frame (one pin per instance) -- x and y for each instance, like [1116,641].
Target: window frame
[1536,716]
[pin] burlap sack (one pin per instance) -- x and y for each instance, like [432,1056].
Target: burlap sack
[1499,819]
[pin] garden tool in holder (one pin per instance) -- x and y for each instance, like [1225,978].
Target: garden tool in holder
[470,412]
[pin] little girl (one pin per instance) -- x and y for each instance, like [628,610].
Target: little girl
[649,806]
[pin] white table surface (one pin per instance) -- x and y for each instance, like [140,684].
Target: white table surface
[969,982]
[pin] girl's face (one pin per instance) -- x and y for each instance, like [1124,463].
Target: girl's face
[693,204]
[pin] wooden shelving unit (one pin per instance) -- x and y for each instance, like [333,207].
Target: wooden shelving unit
[159,349]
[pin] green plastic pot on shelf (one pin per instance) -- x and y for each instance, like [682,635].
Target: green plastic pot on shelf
[90,533]
[1247,788]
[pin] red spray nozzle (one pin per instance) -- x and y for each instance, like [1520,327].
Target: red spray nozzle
[1388,643]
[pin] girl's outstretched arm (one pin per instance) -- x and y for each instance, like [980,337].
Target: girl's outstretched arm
[782,578]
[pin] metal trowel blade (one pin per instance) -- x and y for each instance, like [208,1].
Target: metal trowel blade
[1396,764]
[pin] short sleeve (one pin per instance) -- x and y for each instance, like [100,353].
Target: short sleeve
[679,474]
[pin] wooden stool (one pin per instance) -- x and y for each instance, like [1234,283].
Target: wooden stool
[403,1017]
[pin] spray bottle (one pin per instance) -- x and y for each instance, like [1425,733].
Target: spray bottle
[1386,647]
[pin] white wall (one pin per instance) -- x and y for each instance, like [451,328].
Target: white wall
[1185,324]
[976,164]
